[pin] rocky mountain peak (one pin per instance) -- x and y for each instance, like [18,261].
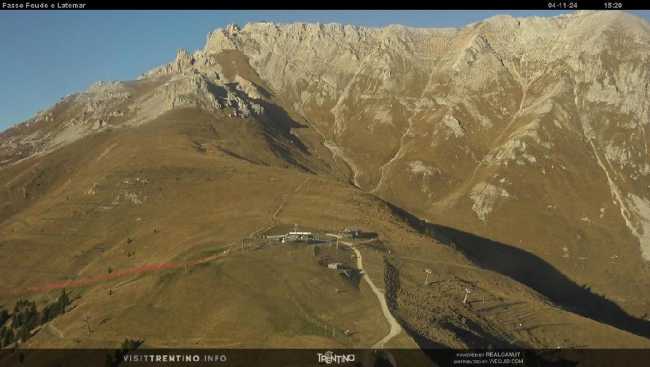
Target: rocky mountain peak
[183,60]
[232,29]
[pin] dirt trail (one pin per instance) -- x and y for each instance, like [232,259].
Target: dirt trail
[55,330]
[395,327]
[283,202]
[286,198]
[29,170]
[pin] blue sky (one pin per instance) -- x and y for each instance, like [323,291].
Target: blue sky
[47,55]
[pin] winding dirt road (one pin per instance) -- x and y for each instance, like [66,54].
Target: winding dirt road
[395,327]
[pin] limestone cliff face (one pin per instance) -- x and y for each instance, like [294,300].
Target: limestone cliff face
[531,131]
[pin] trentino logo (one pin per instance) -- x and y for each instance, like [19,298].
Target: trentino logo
[329,357]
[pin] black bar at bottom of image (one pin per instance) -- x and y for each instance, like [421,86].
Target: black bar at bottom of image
[322,357]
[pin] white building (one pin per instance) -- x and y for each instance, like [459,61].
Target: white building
[299,236]
[293,236]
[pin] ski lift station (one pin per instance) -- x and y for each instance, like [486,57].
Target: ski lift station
[351,232]
[294,236]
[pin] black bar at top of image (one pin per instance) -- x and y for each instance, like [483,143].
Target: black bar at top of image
[325,5]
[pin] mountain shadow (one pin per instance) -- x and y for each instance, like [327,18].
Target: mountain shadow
[532,271]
